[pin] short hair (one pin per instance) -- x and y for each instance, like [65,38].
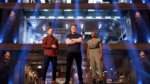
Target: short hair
[49,28]
[4,52]
[95,34]
[74,25]
[142,51]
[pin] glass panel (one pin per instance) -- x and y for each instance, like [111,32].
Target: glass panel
[110,30]
[111,25]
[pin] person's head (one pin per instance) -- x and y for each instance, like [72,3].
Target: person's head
[73,28]
[50,31]
[137,15]
[6,55]
[93,35]
[12,14]
[142,54]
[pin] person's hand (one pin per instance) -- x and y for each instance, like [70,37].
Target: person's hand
[70,41]
[54,46]
[73,40]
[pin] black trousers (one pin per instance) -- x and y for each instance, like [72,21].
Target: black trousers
[53,60]
[78,59]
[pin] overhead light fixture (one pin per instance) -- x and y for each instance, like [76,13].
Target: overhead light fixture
[87,33]
[45,9]
[98,17]
[68,1]
[79,17]
[42,17]
[32,17]
[51,17]
[67,9]
[114,10]
[117,17]
[107,17]
[70,17]
[89,17]
[91,10]
[42,1]
[60,17]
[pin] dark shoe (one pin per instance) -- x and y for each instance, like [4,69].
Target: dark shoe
[101,82]
[81,82]
[43,81]
[67,82]
[53,82]
[94,81]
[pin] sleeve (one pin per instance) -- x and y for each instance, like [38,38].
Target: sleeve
[88,42]
[80,35]
[57,45]
[44,44]
[67,36]
[100,40]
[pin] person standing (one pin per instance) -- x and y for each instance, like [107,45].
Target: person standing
[94,55]
[142,28]
[73,42]
[6,67]
[144,61]
[140,66]
[50,45]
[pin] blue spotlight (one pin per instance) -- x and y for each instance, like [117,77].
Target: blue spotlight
[6,27]
[1,40]
[143,1]
[148,39]
[15,40]
[55,14]
[130,1]
[36,11]
[77,13]
[117,11]
[10,81]
[6,1]
[135,40]
[18,1]
[77,8]
[139,81]
[20,66]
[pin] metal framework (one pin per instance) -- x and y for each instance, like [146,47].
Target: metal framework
[103,6]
